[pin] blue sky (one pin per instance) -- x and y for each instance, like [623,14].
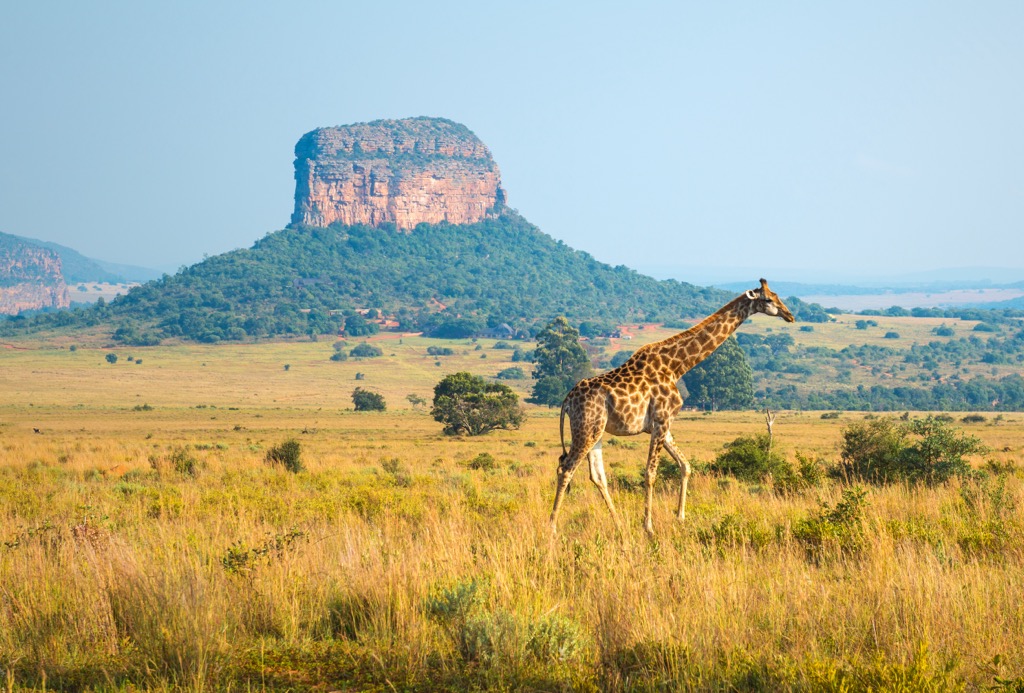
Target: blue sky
[727,140]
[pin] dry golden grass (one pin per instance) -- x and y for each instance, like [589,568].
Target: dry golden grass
[155,548]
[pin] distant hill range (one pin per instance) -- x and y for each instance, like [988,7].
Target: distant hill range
[79,268]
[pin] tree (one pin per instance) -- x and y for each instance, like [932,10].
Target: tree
[560,363]
[111,358]
[367,400]
[723,380]
[467,404]
[358,326]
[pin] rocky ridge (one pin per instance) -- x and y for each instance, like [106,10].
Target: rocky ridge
[403,172]
[30,277]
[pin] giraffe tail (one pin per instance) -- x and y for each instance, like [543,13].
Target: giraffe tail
[561,432]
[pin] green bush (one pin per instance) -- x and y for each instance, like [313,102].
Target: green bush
[555,638]
[367,400]
[513,373]
[748,458]
[288,454]
[111,358]
[834,530]
[484,461]
[885,450]
[366,351]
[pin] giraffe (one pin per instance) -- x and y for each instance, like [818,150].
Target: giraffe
[641,396]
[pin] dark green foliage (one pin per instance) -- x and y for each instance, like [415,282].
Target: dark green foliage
[358,326]
[520,356]
[484,461]
[723,380]
[111,358]
[367,400]
[560,362]
[288,454]
[973,418]
[807,312]
[366,351]
[620,357]
[943,331]
[749,458]
[885,450]
[467,404]
[513,373]
[891,335]
[591,328]
[440,351]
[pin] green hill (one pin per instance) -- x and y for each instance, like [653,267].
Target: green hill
[444,279]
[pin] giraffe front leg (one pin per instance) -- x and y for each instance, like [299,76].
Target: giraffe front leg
[684,474]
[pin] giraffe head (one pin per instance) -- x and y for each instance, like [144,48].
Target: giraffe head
[766,301]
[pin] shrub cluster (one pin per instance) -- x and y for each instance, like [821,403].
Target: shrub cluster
[886,450]
[752,459]
[288,454]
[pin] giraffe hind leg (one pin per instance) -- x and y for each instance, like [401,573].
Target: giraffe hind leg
[567,464]
[597,475]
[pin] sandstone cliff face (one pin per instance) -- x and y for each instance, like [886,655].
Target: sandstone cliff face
[404,172]
[30,278]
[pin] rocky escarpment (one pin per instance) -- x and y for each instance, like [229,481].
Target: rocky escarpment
[405,172]
[30,277]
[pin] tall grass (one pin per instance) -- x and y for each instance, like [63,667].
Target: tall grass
[392,561]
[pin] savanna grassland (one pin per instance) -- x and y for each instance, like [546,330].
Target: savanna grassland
[147,543]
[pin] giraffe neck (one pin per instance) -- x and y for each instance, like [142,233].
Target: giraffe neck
[686,349]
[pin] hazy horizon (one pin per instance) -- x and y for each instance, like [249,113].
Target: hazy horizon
[803,141]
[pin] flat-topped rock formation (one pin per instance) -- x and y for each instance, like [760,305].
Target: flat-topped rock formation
[404,172]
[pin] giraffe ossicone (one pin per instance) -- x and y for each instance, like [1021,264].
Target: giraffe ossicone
[641,396]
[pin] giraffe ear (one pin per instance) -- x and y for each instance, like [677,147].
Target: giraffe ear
[752,295]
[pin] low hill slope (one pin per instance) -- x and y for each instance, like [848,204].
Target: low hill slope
[439,278]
